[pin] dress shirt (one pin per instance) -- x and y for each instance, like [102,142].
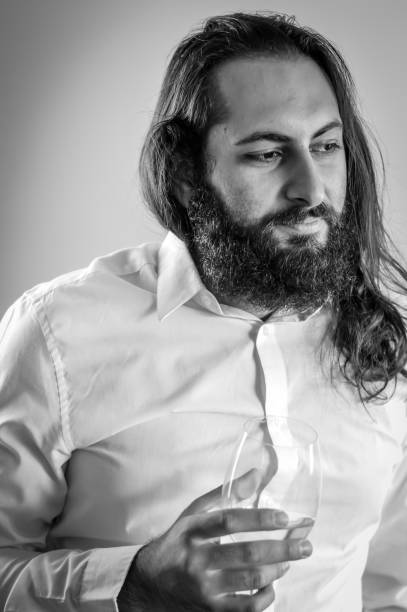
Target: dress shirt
[123,387]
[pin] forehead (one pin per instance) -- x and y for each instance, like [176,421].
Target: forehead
[290,93]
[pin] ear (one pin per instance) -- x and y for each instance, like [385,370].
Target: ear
[181,142]
[183,191]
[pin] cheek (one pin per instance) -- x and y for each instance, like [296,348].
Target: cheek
[343,180]
[336,184]
[340,198]
[247,202]
[247,197]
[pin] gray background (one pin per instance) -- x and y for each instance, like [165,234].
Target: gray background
[79,80]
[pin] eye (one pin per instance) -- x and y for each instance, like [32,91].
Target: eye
[327,147]
[265,157]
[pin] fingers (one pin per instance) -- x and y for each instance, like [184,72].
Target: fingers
[230,581]
[249,554]
[245,485]
[238,520]
[205,502]
[245,603]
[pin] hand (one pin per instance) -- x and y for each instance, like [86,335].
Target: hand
[187,569]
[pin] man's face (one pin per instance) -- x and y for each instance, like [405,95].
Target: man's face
[266,219]
[280,145]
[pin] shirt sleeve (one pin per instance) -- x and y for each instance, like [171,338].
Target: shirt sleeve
[34,452]
[385,577]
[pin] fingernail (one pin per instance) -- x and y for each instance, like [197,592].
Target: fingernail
[285,567]
[305,548]
[281,519]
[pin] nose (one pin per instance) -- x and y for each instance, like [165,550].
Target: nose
[305,186]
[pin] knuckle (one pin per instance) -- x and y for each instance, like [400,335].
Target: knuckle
[189,565]
[251,553]
[274,551]
[213,555]
[292,549]
[185,539]
[256,581]
[205,587]
[278,520]
[191,562]
[227,521]
[263,520]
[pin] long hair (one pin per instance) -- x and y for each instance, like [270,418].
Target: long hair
[368,328]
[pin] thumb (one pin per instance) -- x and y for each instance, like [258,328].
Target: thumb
[244,486]
[205,502]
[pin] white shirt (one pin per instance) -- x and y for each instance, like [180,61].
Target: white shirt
[94,462]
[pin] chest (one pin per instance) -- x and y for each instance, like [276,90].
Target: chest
[145,464]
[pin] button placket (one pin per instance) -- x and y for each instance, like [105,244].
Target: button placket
[274,370]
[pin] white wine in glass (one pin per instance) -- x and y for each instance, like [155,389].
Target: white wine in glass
[276,464]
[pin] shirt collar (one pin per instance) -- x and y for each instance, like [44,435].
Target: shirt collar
[283,316]
[178,278]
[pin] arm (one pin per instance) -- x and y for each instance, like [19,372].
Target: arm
[34,450]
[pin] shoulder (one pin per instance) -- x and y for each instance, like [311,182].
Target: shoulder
[70,303]
[108,277]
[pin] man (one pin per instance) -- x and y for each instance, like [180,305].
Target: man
[274,292]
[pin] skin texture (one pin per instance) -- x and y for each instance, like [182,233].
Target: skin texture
[186,568]
[291,97]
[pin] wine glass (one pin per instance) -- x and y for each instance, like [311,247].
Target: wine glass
[276,464]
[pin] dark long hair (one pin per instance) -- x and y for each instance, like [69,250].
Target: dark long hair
[369,328]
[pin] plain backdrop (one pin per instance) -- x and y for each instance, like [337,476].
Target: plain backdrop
[78,82]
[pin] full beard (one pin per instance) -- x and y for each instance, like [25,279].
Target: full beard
[248,265]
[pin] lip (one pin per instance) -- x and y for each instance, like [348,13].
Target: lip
[310,221]
[309,225]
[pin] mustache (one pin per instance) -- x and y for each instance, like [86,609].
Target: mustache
[298,214]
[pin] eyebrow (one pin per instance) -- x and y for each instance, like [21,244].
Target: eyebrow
[278,137]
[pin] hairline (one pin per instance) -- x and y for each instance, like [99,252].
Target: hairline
[219,112]
[218,107]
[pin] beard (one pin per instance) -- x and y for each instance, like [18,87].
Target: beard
[249,265]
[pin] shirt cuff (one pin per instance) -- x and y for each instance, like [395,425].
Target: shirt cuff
[104,576]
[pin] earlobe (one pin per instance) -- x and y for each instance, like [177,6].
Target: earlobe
[183,192]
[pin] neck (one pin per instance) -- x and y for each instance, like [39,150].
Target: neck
[263,313]
[242,304]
